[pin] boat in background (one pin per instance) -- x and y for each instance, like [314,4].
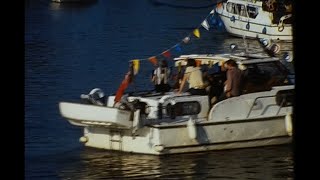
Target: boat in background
[168,123]
[271,19]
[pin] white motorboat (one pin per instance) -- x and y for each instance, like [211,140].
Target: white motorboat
[271,19]
[153,123]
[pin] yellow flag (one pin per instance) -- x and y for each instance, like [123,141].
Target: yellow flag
[136,64]
[196,32]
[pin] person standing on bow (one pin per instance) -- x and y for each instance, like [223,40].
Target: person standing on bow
[193,75]
[160,77]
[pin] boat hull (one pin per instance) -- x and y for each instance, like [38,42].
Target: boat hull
[174,123]
[271,32]
[256,23]
[158,139]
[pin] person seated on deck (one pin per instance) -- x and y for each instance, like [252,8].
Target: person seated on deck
[161,76]
[232,86]
[194,76]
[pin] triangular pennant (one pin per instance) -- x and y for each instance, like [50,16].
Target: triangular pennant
[177,48]
[205,25]
[186,39]
[166,54]
[213,20]
[196,33]
[212,11]
[153,60]
[210,64]
[136,64]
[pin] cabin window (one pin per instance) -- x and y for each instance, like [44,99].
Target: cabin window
[262,77]
[239,9]
[252,11]
[236,8]
[285,98]
[183,108]
[230,7]
[242,10]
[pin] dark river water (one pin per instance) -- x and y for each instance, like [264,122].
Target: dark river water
[73,48]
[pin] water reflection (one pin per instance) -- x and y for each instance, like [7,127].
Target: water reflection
[274,162]
[71,5]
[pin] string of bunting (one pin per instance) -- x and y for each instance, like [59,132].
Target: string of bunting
[135,63]
[211,20]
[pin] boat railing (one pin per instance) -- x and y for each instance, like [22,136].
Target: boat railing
[254,103]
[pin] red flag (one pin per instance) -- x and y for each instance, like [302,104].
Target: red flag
[153,60]
[166,54]
[124,84]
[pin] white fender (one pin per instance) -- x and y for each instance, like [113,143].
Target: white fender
[288,123]
[83,139]
[192,129]
[136,121]
[158,148]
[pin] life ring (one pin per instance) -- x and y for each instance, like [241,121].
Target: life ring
[281,28]
[275,48]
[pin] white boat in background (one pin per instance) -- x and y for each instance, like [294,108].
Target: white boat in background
[271,19]
[153,123]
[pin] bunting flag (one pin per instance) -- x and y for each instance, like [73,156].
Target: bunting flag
[166,54]
[210,21]
[210,64]
[153,60]
[196,33]
[205,25]
[213,21]
[136,66]
[179,66]
[123,86]
[177,48]
[186,39]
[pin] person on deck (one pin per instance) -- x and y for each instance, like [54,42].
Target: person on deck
[160,77]
[193,75]
[233,82]
[216,78]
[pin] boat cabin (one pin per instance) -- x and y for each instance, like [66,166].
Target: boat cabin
[260,73]
[251,9]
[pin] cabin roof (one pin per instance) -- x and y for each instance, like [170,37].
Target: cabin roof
[240,58]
